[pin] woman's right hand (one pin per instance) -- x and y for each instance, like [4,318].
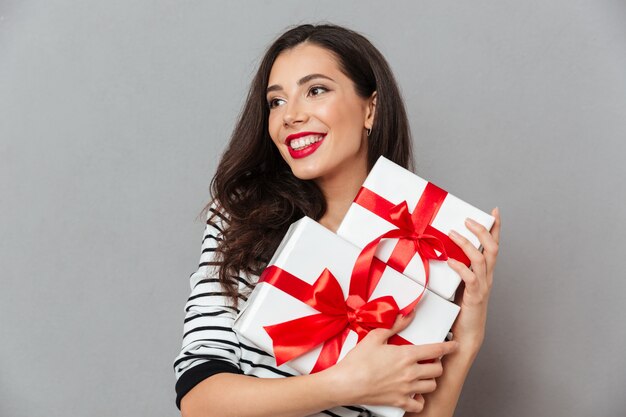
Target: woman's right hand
[377,373]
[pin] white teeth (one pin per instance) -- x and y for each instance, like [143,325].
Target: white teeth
[300,143]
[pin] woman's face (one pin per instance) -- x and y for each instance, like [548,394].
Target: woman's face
[317,121]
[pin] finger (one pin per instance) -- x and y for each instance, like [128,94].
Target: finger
[433,369]
[433,350]
[489,244]
[472,285]
[400,324]
[413,404]
[495,229]
[426,370]
[477,259]
[424,386]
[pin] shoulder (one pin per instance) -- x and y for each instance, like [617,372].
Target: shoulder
[216,218]
[217,222]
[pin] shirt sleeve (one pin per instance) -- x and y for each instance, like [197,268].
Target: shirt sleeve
[209,346]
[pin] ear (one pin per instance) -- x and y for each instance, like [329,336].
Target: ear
[370,111]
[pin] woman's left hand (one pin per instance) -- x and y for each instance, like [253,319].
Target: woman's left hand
[469,327]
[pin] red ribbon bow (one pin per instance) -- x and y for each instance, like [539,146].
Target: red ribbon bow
[414,230]
[337,316]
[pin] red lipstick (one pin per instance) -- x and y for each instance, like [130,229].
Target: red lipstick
[307,150]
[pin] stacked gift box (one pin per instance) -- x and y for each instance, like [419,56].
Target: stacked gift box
[305,309]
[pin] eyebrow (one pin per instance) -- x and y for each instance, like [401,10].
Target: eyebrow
[301,81]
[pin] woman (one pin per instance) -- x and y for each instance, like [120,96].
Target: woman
[321,109]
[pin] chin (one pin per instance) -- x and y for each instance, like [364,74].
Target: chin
[306,172]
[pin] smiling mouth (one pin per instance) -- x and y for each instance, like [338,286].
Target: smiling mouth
[301,143]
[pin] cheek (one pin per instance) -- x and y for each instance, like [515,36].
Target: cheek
[342,116]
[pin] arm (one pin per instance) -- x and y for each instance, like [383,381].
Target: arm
[211,382]
[469,328]
[442,401]
[372,373]
[227,395]
[209,345]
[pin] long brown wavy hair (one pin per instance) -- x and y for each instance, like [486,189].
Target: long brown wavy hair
[255,188]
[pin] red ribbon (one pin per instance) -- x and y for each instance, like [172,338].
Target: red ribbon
[337,316]
[418,236]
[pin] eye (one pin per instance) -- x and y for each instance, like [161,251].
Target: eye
[274,102]
[316,90]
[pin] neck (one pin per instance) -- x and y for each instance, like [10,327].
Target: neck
[339,193]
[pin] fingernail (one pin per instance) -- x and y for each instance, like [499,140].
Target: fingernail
[470,222]
[454,235]
[496,211]
[452,261]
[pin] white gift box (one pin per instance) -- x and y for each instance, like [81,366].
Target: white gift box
[396,184]
[306,250]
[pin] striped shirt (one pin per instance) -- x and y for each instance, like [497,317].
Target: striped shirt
[210,344]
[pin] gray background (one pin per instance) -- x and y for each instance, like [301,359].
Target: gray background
[112,118]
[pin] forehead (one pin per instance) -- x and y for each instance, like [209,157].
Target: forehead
[303,59]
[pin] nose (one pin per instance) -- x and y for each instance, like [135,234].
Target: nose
[295,113]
